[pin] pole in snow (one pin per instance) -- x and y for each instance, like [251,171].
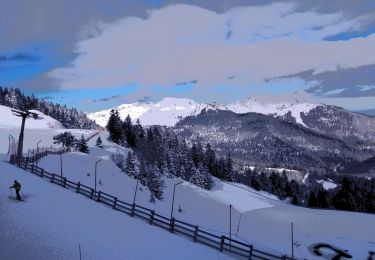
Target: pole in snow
[230,225]
[61,167]
[24,115]
[174,191]
[37,152]
[135,192]
[291,225]
[96,165]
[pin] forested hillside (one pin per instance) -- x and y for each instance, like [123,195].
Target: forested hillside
[69,117]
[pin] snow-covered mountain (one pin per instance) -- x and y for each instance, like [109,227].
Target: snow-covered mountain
[277,109]
[171,110]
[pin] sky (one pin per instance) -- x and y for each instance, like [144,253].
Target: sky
[94,54]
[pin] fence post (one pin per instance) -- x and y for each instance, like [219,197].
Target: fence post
[251,252]
[152,217]
[196,233]
[114,203]
[133,209]
[171,225]
[222,243]
[64,182]
[78,187]
[53,177]
[41,173]
[99,194]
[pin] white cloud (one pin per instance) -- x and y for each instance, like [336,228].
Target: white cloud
[182,43]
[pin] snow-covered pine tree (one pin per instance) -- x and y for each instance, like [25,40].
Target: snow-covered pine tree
[119,160]
[130,167]
[82,145]
[201,177]
[99,142]
[154,184]
[139,131]
[66,139]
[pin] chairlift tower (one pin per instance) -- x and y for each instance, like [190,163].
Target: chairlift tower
[24,115]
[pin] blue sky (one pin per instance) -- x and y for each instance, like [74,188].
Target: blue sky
[94,55]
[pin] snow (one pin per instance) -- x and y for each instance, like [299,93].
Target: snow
[12,121]
[55,220]
[171,110]
[165,112]
[327,185]
[278,109]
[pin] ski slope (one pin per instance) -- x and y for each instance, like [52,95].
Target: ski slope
[54,222]
[9,120]
[257,217]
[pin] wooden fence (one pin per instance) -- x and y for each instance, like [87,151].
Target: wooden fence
[222,243]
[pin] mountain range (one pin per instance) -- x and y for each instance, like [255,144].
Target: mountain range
[170,110]
[297,134]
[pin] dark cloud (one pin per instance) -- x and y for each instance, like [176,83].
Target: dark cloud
[20,57]
[187,83]
[350,82]
[145,99]
[47,98]
[106,99]
[39,84]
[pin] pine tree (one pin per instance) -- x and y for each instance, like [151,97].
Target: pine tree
[130,168]
[140,132]
[195,155]
[154,184]
[82,145]
[129,131]
[322,201]
[295,200]
[66,139]
[201,177]
[312,201]
[114,127]
[99,142]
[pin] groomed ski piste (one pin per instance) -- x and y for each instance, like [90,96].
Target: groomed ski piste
[54,222]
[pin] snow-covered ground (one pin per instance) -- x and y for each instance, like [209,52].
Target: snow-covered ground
[9,120]
[54,220]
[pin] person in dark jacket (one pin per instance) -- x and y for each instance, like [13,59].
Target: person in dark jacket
[17,187]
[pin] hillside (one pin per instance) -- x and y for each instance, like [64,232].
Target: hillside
[257,217]
[42,122]
[68,117]
[257,139]
[54,222]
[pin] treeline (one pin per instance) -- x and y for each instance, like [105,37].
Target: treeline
[352,194]
[69,117]
[158,151]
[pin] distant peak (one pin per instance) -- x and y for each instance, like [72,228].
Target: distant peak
[175,101]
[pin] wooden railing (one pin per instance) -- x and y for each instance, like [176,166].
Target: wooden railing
[222,243]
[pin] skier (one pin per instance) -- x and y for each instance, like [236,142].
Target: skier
[17,187]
